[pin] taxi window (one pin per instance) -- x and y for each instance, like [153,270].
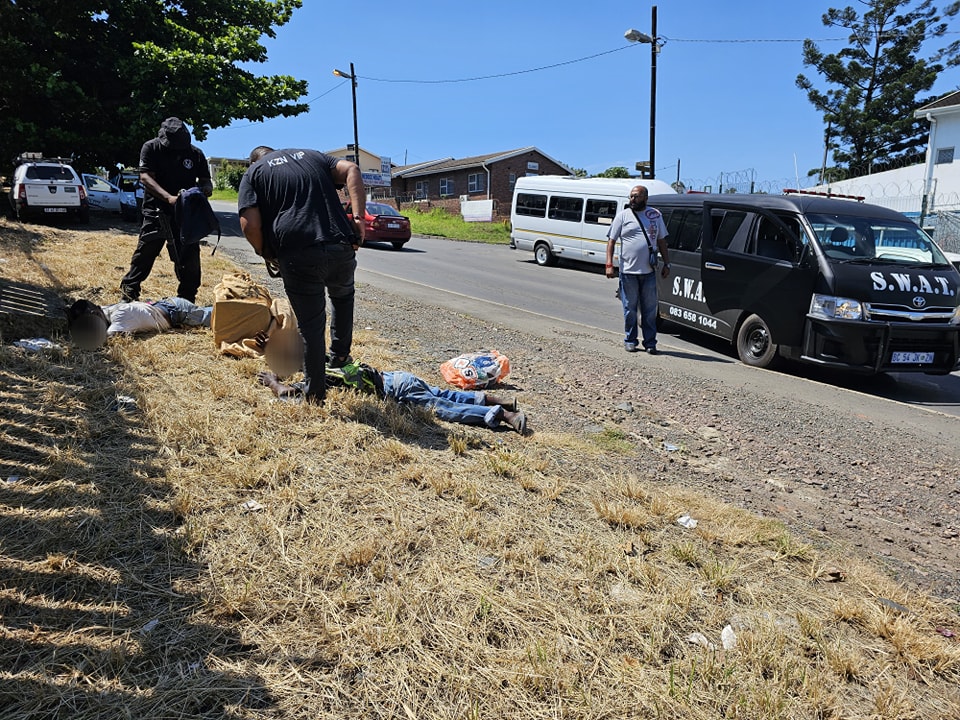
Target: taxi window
[532,205]
[600,212]
[563,207]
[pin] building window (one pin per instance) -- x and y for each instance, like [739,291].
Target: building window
[423,189]
[944,156]
[446,186]
[475,183]
[512,180]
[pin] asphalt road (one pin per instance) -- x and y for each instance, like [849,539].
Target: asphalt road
[576,303]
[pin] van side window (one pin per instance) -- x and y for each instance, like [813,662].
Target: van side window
[673,223]
[532,205]
[684,228]
[565,208]
[600,212]
[726,223]
[774,242]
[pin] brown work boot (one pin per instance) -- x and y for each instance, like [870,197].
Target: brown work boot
[510,405]
[516,419]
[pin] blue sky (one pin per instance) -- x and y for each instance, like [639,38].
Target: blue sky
[726,97]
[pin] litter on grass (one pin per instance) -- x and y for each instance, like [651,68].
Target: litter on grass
[124,403]
[36,344]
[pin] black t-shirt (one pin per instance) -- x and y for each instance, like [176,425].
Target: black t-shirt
[297,198]
[175,170]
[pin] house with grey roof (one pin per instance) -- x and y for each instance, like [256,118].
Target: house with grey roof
[481,177]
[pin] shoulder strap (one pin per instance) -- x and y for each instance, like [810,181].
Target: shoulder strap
[647,237]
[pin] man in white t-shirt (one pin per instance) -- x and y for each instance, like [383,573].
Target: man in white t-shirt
[641,231]
[90,324]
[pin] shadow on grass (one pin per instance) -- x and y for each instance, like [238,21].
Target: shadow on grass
[98,598]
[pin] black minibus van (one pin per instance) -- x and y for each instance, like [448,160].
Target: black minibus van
[834,282]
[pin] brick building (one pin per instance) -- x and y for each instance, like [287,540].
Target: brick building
[446,181]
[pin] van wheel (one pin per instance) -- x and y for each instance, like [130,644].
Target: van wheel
[754,345]
[543,256]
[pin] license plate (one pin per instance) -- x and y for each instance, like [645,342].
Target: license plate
[393,226]
[912,358]
[63,210]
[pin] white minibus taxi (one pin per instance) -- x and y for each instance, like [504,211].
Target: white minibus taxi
[557,216]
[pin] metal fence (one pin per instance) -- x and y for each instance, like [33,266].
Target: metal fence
[947,231]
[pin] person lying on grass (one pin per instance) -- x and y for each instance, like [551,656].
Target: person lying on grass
[469,408]
[89,324]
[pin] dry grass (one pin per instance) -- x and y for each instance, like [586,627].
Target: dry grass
[397,567]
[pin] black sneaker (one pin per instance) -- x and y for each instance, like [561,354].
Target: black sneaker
[653,351]
[338,361]
[128,294]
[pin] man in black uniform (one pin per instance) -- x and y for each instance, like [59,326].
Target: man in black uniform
[168,164]
[290,212]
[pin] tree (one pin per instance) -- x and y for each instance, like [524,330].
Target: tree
[878,80]
[95,78]
[614,172]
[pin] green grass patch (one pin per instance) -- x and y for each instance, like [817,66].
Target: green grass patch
[440,223]
[225,194]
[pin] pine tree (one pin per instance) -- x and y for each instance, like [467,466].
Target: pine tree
[877,81]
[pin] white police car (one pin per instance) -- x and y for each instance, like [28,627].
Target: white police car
[104,196]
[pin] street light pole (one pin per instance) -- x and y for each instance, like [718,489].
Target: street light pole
[352,77]
[654,51]
[655,45]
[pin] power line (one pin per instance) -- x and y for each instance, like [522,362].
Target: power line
[277,117]
[500,75]
[412,81]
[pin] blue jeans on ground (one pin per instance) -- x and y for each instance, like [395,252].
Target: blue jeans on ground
[450,405]
[184,313]
[638,293]
[308,276]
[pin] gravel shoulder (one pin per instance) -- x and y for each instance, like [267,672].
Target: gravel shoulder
[884,491]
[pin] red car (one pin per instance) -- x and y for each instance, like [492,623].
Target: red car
[384,224]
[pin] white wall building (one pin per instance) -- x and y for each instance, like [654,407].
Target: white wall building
[927,190]
[937,179]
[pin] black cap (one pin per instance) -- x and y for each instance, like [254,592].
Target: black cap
[174,134]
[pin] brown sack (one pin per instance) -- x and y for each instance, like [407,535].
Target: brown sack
[241,309]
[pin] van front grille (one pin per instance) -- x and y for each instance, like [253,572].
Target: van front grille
[878,312]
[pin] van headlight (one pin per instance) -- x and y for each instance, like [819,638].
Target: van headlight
[955,320]
[840,308]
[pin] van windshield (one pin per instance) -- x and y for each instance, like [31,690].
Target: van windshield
[852,238]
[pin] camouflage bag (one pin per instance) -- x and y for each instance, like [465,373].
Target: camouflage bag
[357,376]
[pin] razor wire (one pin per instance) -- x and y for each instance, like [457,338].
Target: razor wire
[947,230]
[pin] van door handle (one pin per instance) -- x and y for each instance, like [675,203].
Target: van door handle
[714,266]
